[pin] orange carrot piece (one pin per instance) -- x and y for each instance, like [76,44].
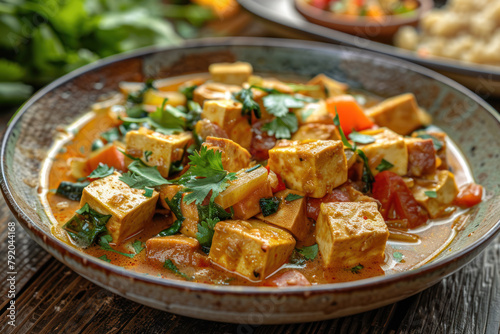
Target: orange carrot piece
[351,115]
[109,155]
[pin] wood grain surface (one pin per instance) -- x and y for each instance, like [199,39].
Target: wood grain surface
[50,298]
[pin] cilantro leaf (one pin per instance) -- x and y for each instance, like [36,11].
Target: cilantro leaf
[138,246]
[148,192]
[147,154]
[172,267]
[431,194]
[85,225]
[141,176]
[279,104]
[309,253]
[188,91]
[205,232]
[104,243]
[111,135]
[137,97]
[70,190]
[384,165]
[174,229]
[175,206]
[245,97]
[361,138]
[104,258]
[205,175]
[168,117]
[282,127]
[398,257]
[292,197]
[357,269]
[270,205]
[101,171]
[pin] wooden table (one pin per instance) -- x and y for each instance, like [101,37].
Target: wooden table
[51,299]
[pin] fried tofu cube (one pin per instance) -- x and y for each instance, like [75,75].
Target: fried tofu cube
[156,149]
[214,91]
[227,115]
[388,146]
[130,210]
[317,131]
[313,167]
[445,190]
[421,156]
[251,248]
[349,233]
[328,87]
[315,112]
[291,215]
[231,73]
[400,113]
[234,157]
[180,249]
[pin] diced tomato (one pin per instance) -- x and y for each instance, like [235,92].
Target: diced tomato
[261,143]
[469,195]
[392,192]
[314,204]
[289,278]
[108,155]
[351,116]
[281,185]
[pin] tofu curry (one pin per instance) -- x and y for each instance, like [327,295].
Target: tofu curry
[236,179]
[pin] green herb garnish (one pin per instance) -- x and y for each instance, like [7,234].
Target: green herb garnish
[431,194]
[398,257]
[70,190]
[188,91]
[249,105]
[384,165]
[85,225]
[309,252]
[148,192]
[101,171]
[140,176]
[171,266]
[270,205]
[292,197]
[361,138]
[357,269]
[104,243]
[253,168]
[138,246]
[147,154]
[104,258]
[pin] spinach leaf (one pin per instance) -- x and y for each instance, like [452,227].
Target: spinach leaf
[70,190]
[270,205]
[85,225]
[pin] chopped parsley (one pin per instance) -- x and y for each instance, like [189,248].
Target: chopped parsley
[205,176]
[431,194]
[71,190]
[137,97]
[367,176]
[188,91]
[269,205]
[171,266]
[175,206]
[141,176]
[209,215]
[104,258]
[292,197]
[361,138]
[205,232]
[111,135]
[138,246]
[249,105]
[309,252]
[279,104]
[104,243]
[398,257]
[101,171]
[282,127]
[384,165]
[357,269]
[85,225]
[147,154]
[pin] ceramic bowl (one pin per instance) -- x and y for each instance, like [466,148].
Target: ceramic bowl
[469,121]
[377,29]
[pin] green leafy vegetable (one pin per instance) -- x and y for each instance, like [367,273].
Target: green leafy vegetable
[384,165]
[188,91]
[85,225]
[70,190]
[174,229]
[309,253]
[111,135]
[431,194]
[292,197]
[171,266]
[270,205]
[175,206]
[140,176]
[205,232]
[148,192]
[168,118]
[361,138]
[147,154]
[138,246]
[104,243]
[212,211]
[97,144]
[279,104]
[367,176]
[138,96]
[282,127]
[357,269]
[104,258]
[205,175]
[398,257]
[245,96]
[209,215]
[101,171]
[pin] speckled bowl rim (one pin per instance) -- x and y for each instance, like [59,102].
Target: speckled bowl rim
[53,245]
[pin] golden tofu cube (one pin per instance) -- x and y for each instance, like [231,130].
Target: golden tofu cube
[234,157]
[317,131]
[400,113]
[328,87]
[445,190]
[214,91]
[130,210]
[315,112]
[291,215]
[251,248]
[156,149]
[231,73]
[313,167]
[388,146]
[181,250]
[227,115]
[349,233]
